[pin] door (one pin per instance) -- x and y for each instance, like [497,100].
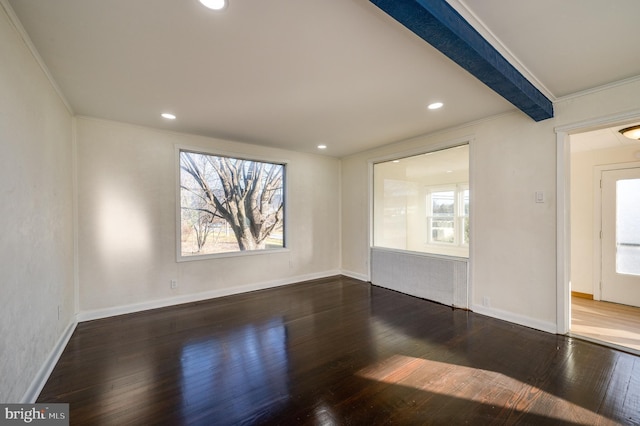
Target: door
[621,236]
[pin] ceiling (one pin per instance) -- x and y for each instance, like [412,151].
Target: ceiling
[294,74]
[596,140]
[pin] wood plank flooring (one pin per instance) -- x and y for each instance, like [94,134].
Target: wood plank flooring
[336,352]
[610,323]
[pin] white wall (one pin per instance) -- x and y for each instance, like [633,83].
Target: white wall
[126,208]
[36,216]
[513,247]
[513,238]
[582,210]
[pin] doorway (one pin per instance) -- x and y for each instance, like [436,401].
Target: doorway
[595,156]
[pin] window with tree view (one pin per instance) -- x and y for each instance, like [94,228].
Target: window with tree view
[230,204]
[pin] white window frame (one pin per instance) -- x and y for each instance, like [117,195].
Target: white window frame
[461,216]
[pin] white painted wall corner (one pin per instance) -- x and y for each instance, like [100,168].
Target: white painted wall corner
[34,389]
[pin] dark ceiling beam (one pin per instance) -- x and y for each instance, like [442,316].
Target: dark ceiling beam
[440,25]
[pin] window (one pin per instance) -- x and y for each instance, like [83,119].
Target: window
[628,226]
[421,202]
[448,215]
[229,205]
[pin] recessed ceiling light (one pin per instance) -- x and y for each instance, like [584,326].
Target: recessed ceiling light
[168,116]
[436,105]
[214,4]
[322,147]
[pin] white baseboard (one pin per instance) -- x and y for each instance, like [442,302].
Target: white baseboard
[196,297]
[355,275]
[548,327]
[31,395]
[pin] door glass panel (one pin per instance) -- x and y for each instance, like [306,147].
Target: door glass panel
[628,226]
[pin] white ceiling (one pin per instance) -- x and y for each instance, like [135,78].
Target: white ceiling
[298,73]
[568,45]
[601,139]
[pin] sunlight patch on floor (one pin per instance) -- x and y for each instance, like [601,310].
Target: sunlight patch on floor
[477,385]
[606,323]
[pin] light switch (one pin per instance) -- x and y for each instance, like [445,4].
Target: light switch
[539,196]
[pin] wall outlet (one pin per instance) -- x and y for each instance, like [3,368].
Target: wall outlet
[174,284]
[486,301]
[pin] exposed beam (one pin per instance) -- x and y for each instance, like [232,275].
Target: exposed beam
[440,25]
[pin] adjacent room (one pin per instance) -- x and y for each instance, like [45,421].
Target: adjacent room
[605,174]
[321,212]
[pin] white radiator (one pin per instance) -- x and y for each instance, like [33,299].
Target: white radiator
[439,278]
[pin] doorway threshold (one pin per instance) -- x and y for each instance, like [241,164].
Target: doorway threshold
[599,342]
[606,323]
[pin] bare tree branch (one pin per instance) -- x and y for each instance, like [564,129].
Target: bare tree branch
[241,192]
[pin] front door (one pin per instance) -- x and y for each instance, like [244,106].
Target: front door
[621,236]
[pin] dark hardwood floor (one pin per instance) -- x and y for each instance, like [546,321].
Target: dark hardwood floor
[336,352]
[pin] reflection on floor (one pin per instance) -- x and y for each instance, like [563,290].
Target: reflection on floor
[610,323]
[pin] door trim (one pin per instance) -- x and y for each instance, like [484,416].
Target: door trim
[563,207]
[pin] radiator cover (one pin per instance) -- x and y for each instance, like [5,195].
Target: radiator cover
[442,279]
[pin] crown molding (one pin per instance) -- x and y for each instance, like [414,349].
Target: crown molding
[597,89]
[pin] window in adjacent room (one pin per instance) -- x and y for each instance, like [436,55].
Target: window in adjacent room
[421,202]
[229,205]
[448,215]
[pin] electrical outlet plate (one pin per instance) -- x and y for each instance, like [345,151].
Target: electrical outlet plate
[174,283]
